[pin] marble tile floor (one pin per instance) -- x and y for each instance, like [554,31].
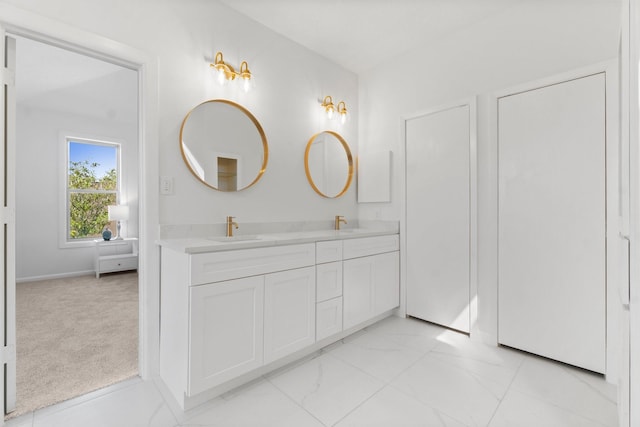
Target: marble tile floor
[398,372]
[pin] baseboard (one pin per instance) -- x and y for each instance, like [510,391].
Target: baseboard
[54,276]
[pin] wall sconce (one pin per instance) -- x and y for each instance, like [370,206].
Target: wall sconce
[342,112]
[225,72]
[330,109]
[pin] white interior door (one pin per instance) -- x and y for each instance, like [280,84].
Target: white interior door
[7,232]
[438,235]
[552,205]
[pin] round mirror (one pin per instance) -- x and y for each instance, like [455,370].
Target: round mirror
[328,164]
[224,145]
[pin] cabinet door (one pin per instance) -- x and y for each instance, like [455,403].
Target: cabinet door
[357,291]
[226,331]
[386,282]
[289,312]
[371,286]
[328,318]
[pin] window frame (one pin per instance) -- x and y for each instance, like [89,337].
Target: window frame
[66,139]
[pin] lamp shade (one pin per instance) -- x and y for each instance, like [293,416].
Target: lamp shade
[118,213]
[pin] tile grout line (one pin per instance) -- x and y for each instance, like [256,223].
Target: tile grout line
[384,384]
[336,358]
[292,400]
[169,405]
[360,404]
[438,411]
[571,371]
[507,390]
[557,406]
[379,379]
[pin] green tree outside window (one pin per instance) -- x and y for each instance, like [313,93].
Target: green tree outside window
[89,194]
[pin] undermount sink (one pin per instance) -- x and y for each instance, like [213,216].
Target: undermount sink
[292,235]
[351,230]
[231,239]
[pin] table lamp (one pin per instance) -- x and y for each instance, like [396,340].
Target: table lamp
[118,213]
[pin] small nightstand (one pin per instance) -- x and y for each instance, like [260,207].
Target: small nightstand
[116,255]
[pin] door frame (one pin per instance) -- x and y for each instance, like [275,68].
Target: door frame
[471,102]
[629,409]
[613,279]
[16,21]
[8,223]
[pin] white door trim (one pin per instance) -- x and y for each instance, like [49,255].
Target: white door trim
[630,124]
[7,223]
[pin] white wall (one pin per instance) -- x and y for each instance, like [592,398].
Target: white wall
[531,41]
[38,197]
[525,43]
[175,41]
[289,80]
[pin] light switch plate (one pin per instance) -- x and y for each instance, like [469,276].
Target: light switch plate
[166,185]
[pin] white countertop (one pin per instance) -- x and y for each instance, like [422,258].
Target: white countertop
[193,245]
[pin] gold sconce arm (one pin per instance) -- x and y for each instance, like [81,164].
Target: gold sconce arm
[226,72]
[330,109]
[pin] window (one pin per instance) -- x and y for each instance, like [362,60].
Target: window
[93,183]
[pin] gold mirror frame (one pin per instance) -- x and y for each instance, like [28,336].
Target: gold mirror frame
[349,160]
[263,137]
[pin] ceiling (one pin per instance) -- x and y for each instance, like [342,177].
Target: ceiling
[53,78]
[356,34]
[360,34]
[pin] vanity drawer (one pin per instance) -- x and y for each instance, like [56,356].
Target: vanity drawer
[328,251]
[356,248]
[328,318]
[328,281]
[218,266]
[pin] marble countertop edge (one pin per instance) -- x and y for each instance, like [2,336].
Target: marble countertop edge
[195,245]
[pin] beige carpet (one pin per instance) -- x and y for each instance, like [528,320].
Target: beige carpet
[74,335]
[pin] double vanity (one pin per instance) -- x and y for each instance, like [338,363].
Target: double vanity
[235,308]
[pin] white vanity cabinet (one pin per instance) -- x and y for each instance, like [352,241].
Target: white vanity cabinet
[229,316]
[358,292]
[329,288]
[289,312]
[226,331]
[227,313]
[357,279]
[371,278]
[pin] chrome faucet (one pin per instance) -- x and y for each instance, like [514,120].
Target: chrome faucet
[338,220]
[230,224]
